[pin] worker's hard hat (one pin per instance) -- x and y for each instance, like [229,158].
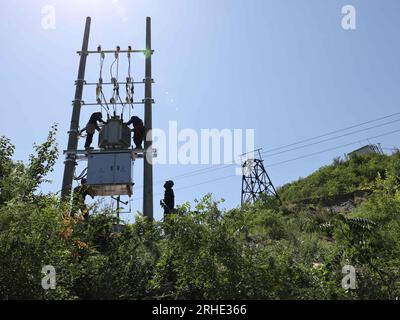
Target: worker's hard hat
[169,184]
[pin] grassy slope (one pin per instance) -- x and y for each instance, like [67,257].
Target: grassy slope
[341,177]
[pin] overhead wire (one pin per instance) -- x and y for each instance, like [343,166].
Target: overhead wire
[330,139]
[82,175]
[294,159]
[99,87]
[331,149]
[333,132]
[114,80]
[266,152]
[114,74]
[129,87]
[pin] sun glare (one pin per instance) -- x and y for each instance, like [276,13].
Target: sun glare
[95,8]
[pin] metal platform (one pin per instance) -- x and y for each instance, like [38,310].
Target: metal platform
[84,154]
[111,190]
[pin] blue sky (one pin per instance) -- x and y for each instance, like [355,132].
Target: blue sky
[285,68]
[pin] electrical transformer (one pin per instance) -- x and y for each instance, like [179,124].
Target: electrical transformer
[115,135]
[110,173]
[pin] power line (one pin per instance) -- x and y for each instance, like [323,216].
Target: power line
[333,132]
[331,149]
[221,167]
[286,161]
[332,138]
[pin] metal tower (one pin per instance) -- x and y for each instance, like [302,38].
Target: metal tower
[255,180]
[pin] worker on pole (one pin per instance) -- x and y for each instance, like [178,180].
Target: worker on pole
[138,131]
[79,199]
[91,127]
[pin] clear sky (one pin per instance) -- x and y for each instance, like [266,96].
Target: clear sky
[285,68]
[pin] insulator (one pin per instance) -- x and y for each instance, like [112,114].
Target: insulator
[117,52]
[98,91]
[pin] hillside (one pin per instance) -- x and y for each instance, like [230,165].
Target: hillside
[341,177]
[293,250]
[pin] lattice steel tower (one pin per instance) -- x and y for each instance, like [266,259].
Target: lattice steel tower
[255,180]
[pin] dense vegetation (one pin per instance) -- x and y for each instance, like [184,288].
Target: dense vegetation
[342,177]
[271,250]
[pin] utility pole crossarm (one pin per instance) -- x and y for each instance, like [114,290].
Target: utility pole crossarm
[112,51]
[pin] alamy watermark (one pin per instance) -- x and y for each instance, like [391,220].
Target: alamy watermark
[207,146]
[48,21]
[349,20]
[49,280]
[349,280]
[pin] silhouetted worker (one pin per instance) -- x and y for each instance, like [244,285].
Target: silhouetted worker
[168,203]
[138,131]
[90,128]
[79,198]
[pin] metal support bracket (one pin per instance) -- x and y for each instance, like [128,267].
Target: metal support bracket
[80,81]
[145,100]
[145,79]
